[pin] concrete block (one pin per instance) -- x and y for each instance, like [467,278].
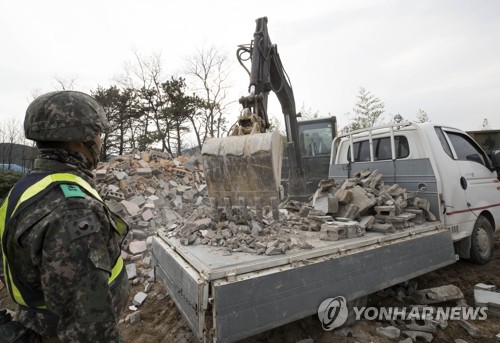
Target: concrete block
[119,175]
[113,188]
[472,329]
[396,190]
[419,215]
[147,215]
[137,247]
[385,210]
[390,332]
[154,182]
[138,200]
[146,172]
[132,208]
[333,232]
[362,199]
[100,174]
[149,191]
[485,287]
[321,203]
[189,194]
[117,196]
[344,196]
[131,270]
[421,203]
[139,298]
[382,228]
[366,221]
[438,294]
[488,299]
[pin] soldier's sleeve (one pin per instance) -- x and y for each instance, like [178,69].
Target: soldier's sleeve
[75,269]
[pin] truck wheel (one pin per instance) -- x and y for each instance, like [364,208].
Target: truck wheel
[482,243]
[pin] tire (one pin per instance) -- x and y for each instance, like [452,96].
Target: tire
[482,242]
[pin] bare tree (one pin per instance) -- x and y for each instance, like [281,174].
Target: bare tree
[11,133]
[145,77]
[65,84]
[209,70]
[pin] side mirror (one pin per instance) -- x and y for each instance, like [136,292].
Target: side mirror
[495,158]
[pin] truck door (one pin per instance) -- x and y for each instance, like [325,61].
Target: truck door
[477,181]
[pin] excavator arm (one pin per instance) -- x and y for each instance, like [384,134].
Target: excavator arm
[246,166]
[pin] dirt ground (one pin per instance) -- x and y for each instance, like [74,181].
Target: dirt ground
[161,321]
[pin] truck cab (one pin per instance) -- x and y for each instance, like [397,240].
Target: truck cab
[441,164]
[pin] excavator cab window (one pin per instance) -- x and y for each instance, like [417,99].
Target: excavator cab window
[316,139]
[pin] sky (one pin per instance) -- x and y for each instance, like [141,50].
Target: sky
[439,56]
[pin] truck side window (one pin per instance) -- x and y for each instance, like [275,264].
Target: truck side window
[381,149]
[442,140]
[465,150]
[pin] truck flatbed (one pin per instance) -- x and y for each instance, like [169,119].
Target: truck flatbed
[226,298]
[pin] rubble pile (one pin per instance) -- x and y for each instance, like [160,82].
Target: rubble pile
[363,203]
[246,234]
[151,191]
[154,191]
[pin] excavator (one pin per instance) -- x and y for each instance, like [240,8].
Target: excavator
[247,167]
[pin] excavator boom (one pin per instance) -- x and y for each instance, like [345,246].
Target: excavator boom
[246,166]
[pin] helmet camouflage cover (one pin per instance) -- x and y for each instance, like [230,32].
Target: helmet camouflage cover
[64,116]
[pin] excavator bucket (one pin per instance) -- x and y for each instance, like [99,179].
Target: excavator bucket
[247,167]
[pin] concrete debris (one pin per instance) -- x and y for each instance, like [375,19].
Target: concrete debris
[131,270]
[459,340]
[139,298]
[133,318]
[485,287]
[389,332]
[137,247]
[427,326]
[489,299]
[438,294]
[417,336]
[378,207]
[472,329]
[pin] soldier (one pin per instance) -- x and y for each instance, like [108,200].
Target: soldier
[60,242]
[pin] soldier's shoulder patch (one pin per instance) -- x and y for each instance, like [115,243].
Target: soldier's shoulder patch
[72,191]
[81,227]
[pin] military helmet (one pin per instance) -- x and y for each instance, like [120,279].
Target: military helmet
[64,116]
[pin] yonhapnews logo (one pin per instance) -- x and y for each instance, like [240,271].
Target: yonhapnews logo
[333,313]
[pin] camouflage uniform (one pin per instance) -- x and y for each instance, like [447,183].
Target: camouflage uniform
[48,251]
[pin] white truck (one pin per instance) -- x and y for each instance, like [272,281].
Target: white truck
[227,298]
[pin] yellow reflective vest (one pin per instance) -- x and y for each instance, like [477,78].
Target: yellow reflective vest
[29,189]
